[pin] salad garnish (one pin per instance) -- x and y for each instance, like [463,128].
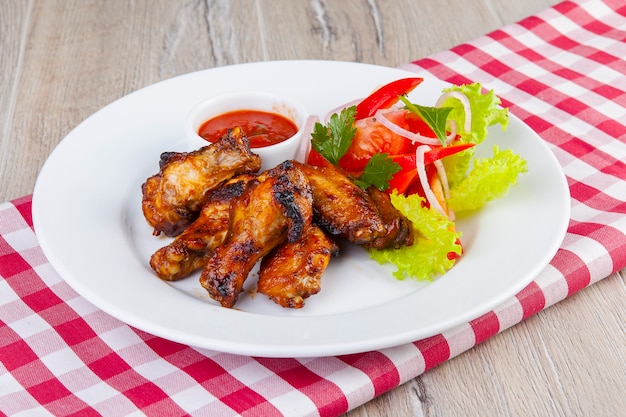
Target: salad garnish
[333,140]
[424,157]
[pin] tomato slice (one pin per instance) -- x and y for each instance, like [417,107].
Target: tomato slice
[386,96]
[314,158]
[414,123]
[371,138]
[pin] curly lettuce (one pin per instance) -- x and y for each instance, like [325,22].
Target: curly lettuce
[436,243]
[490,178]
[475,182]
[486,111]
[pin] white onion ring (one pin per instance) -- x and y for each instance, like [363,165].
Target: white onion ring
[413,137]
[305,139]
[452,134]
[464,101]
[443,177]
[421,173]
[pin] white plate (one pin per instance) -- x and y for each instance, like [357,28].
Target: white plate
[87,216]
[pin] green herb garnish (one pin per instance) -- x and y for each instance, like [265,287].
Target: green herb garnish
[435,117]
[333,141]
[378,172]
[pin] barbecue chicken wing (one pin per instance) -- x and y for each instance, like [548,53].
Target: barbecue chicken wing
[341,207]
[276,207]
[399,229]
[173,197]
[292,272]
[191,250]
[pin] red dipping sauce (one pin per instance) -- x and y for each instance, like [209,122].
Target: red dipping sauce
[262,128]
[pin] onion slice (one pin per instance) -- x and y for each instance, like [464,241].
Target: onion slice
[414,137]
[443,177]
[420,151]
[305,145]
[452,134]
[464,101]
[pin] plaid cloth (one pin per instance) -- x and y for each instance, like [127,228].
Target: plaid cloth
[562,72]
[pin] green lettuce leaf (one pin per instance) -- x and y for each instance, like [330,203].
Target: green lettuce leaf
[435,238]
[489,179]
[486,111]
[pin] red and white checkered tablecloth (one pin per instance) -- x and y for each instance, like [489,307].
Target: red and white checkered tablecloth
[562,72]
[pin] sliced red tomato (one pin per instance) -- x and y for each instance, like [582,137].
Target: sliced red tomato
[386,96]
[316,159]
[371,138]
[415,124]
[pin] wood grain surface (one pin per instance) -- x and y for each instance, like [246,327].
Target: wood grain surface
[61,61]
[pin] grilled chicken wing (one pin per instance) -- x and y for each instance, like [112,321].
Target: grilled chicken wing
[341,207]
[276,207]
[292,272]
[173,198]
[399,229]
[191,249]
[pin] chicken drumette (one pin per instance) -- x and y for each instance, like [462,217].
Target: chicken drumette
[341,207]
[173,198]
[276,207]
[292,272]
[191,250]
[364,217]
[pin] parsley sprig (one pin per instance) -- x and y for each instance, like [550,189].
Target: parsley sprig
[333,140]
[378,172]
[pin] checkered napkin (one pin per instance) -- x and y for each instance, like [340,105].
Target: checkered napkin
[562,72]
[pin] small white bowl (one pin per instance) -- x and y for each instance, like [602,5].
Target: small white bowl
[271,155]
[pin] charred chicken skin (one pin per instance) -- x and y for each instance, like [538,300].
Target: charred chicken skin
[292,272]
[173,198]
[341,207]
[276,207]
[191,250]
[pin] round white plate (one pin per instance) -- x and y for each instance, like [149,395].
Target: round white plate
[87,215]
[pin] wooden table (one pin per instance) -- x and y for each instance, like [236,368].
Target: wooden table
[63,60]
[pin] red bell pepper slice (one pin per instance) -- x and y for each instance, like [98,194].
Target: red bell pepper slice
[440,152]
[403,180]
[405,177]
[435,153]
[385,96]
